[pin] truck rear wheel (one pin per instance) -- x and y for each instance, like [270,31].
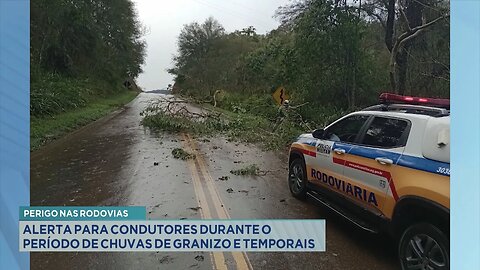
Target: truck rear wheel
[424,246]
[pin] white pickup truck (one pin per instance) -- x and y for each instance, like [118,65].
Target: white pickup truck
[385,168]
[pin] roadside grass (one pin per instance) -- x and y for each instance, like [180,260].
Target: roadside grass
[52,94]
[45,129]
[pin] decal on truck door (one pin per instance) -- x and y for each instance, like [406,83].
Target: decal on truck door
[324,148]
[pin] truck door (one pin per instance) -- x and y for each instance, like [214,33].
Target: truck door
[368,164]
[337,142]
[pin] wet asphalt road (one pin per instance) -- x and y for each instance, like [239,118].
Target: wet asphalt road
[111,162]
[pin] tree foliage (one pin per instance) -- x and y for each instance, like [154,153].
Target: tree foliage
[88,38]
[331,53]
[80,50]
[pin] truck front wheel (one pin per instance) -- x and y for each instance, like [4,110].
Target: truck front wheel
[297,179]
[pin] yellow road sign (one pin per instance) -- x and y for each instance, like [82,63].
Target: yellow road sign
[280,95]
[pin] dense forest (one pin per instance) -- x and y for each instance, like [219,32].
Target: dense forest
[334,54]
[82,50]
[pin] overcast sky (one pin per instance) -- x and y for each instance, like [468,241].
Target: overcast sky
[165,19]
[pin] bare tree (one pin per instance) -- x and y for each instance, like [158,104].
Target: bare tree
[403,21]
[415,23]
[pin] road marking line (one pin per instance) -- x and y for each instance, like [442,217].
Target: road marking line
[241,258]
[218,259]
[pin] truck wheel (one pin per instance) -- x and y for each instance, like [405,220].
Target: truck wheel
[297,179]
[424,246]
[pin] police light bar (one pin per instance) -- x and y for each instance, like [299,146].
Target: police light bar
[389,98]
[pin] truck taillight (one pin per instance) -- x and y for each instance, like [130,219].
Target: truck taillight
[394,98]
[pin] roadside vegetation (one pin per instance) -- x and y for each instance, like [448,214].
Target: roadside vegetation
[332,57]
[330,53]
[85,57]
[46,129]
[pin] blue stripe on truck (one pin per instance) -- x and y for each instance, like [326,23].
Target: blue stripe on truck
[424,164]
[417,163]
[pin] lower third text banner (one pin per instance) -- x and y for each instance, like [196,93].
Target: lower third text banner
[130,234]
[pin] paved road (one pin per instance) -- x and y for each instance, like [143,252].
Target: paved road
[111,162]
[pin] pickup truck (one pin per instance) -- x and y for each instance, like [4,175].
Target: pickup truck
[385,168]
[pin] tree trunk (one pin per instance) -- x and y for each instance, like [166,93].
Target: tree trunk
[390,25]
[400,49]
[354,89]
[389,36]
[402,65]
[414,14]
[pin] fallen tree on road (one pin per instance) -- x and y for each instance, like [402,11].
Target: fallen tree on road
[179,115]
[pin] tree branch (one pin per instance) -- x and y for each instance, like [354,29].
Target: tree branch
[390,24]
[413,32]
[402,12]
[409,35]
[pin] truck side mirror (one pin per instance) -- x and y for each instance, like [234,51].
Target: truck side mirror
[319,133]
